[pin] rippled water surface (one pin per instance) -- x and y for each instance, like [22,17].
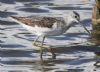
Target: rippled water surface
[17,54]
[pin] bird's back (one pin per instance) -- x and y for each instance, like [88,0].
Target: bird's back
[39,21]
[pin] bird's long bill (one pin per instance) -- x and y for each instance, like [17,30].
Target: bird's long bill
[85,28]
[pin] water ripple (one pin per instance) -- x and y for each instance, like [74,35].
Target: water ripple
[11,45]
[33,10]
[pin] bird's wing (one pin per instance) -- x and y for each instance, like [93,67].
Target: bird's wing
[31,21]
[39,21]
[48,22]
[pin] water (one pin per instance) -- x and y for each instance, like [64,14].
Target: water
[17,54]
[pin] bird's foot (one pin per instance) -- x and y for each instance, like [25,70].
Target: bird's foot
[52,51]
[37,43]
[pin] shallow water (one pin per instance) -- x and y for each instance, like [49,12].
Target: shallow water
[17,54]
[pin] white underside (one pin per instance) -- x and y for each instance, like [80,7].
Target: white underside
[43,31]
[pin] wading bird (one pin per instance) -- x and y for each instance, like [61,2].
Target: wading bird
[48,26]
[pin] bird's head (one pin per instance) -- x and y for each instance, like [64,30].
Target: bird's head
[72,18]
[75,17]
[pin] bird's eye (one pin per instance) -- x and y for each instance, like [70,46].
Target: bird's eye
[75,16]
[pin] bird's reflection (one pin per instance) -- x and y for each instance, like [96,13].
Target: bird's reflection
[42,65]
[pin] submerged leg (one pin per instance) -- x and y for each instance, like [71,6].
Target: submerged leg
[41,49]
[52,51]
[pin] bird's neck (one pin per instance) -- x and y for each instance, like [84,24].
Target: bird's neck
[67,22]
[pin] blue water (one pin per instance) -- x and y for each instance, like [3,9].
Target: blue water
[17,54]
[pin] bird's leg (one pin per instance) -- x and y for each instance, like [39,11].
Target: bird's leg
[52,51]
[41,49]
[34,43]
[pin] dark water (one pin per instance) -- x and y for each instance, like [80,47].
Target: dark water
[17,54]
